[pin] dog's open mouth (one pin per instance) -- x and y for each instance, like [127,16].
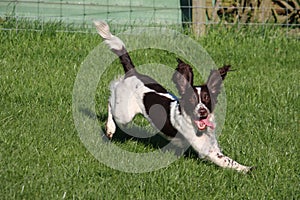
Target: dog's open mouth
[203,123]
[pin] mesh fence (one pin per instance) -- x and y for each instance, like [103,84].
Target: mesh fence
[192,13]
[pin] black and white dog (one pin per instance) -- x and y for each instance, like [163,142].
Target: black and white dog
[191,116]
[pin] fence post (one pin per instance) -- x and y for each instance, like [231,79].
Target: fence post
[199,17]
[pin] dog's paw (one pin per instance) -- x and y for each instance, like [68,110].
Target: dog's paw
[251,169]
[109,135]
[110,129]
[248,170]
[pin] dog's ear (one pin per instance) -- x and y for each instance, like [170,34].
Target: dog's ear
[183,77]
[215,79]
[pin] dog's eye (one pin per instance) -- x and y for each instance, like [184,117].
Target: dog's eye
[206,97]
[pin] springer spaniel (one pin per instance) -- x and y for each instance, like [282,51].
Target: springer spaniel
[191,116]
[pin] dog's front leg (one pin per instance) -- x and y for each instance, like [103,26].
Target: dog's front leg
[110,124]
[224,161]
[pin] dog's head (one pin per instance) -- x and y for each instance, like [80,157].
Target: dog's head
[198,102]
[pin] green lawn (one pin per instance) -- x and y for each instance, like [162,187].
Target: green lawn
[42,156]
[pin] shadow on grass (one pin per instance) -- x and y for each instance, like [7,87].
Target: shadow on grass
[151,140]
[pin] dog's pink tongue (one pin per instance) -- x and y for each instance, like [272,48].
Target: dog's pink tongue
[201,124]
[208,123]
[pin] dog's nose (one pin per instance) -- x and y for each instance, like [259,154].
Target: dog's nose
[202,111]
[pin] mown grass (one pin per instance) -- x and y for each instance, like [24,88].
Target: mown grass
[42,155]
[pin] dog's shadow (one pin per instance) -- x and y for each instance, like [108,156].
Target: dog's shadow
[155,141]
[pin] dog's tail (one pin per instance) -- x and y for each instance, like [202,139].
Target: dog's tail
[115,44]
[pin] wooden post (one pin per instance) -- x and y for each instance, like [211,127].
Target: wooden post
[265,11]
[199,17]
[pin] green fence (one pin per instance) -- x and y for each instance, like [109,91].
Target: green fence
[198,14]
[81,12]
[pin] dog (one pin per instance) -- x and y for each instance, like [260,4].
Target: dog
[191,116]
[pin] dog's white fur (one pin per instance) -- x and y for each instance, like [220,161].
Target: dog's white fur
[126,101]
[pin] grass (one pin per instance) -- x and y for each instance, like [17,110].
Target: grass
[42,155]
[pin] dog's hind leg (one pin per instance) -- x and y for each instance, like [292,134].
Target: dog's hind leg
[110,124]
[223,161]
